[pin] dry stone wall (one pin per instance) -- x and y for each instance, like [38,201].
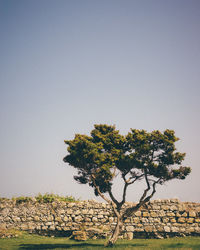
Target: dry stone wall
[161,218]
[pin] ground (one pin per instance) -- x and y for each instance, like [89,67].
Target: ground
[27,241]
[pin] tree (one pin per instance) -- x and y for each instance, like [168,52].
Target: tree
[139,155]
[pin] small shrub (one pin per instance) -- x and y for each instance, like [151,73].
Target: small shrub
[48,198]
[3,199]
[21,199]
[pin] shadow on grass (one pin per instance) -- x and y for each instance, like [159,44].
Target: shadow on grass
[182,245]
[78,245]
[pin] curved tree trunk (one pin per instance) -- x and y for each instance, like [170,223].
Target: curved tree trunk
[115,233]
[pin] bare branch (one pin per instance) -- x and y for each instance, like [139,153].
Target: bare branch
[136,178]
[112,197]
[148,187]
[124,193]
[114,205]
[142,202]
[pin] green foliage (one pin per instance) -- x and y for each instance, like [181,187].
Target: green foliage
[3,199]
[48,198]
[139,154]
[22,199]
[95,155]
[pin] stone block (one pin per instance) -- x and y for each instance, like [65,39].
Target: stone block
[78,218]
[17,219]
[52,228]
[65,219]
[170,214]
[23,226]
[153,214]
[173,208]
[136,220]
[192,213]
[165,220]
[58,219]
[160,228]
[77,212]
[129,228]
[61,211]
[49,223]
[156,220]
[161,213]
[165,207]
[174,229]
[71,204]
[167,229]
[148,229]
[185,214]
[111,219]
[129,235]
[94,219]
[190,220]
[79,235]
[190,229]
[91,211]
[36,218]
[138,213]
[181,220]
[156,207]
[182,229]
[69,211]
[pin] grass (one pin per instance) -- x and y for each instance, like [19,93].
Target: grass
[27,241]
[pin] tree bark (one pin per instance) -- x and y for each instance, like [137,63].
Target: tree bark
[115,233]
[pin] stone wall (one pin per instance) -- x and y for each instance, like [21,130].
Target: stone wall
[161,218]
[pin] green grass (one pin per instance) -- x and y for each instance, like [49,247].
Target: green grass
[27,241]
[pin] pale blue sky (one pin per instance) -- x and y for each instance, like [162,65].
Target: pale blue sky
[66,65]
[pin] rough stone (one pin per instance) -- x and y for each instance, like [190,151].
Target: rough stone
[192,214]
[148,228]
[162,219]
[129,228]
[129,235]
[181,220]
[138,213]
[167,229]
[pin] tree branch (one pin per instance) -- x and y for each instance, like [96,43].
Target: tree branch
[127,183]
[98,190]
[142,202]
[148,186]
[114,205]
[124,194]
[112,197]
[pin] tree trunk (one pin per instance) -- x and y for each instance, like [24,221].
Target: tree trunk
[115,233]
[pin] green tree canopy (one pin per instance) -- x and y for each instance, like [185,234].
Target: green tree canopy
[150,156]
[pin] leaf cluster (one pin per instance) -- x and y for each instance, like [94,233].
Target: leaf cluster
[139,154]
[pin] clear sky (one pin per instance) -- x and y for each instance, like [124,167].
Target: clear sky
[69,64]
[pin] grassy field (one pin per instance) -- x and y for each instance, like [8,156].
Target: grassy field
[27,241]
